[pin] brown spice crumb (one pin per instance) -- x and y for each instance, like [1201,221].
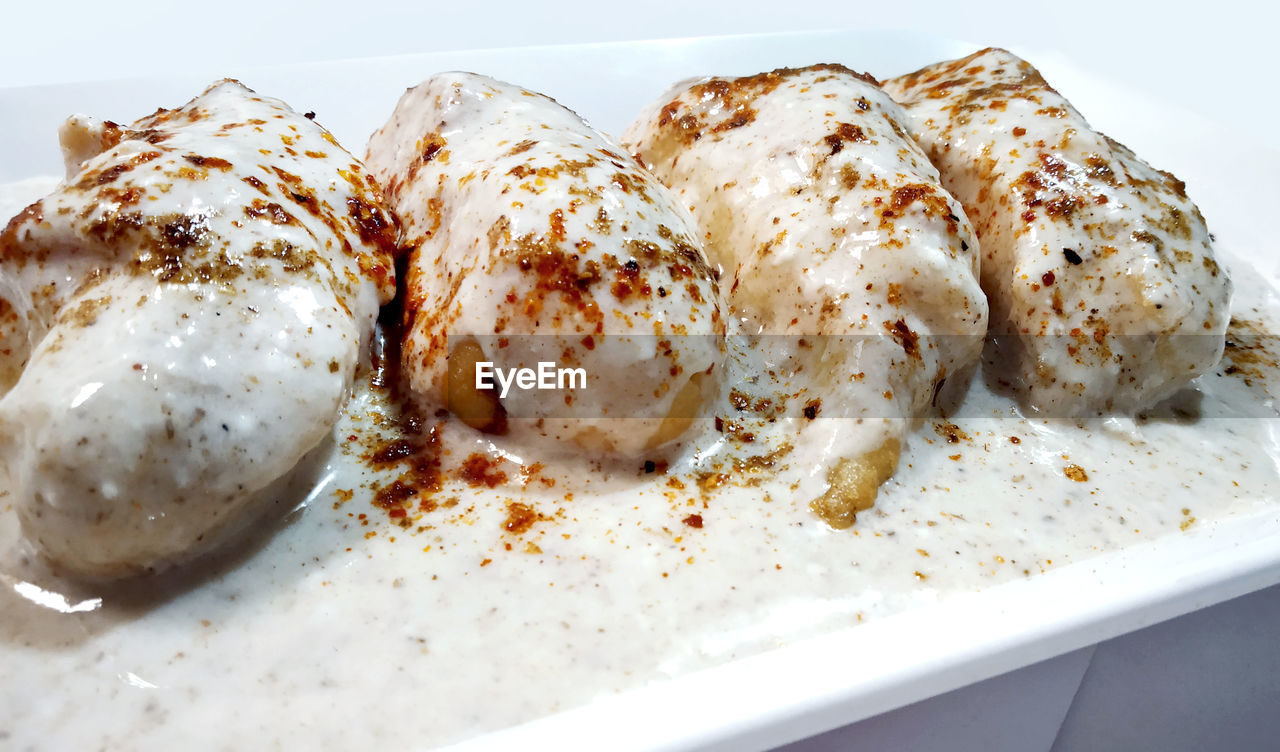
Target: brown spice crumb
[478,470]
[520,517]
[951,432]
[909,340]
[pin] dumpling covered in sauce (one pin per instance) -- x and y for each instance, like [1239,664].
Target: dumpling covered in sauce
[539,240]
[834,230]
[1104,288]
[182,319]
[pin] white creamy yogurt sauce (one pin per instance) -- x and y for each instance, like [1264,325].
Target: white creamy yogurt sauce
[335,630]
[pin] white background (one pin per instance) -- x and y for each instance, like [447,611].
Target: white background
[1209,680]
[1216,54]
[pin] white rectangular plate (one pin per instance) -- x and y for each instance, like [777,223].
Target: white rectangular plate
[804,688]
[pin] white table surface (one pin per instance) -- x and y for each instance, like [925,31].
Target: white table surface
[1207,680]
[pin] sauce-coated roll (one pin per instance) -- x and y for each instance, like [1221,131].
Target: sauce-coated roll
[834,230]
[1104,290]
[539,240]
[185,314]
